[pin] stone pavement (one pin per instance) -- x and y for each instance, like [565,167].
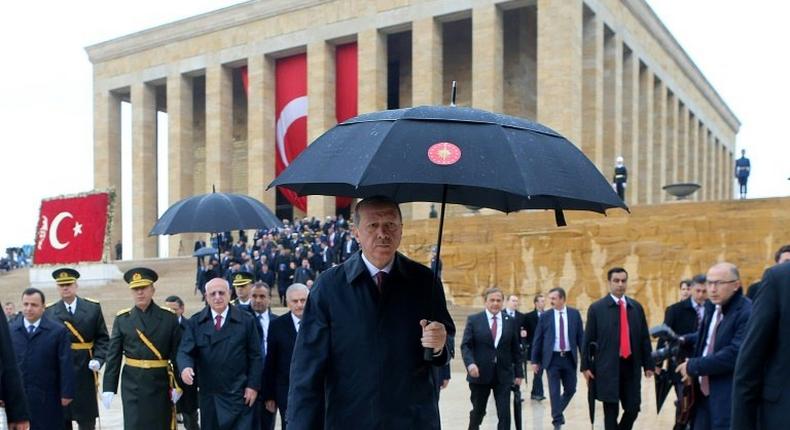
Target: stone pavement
[455,406]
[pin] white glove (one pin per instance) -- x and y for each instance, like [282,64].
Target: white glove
[94,365]
[106,399]
[175,395]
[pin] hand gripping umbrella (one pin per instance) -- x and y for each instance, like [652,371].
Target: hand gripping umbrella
[449,154]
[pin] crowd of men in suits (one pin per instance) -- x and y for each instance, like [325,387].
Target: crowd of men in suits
[736,350]
[296,253]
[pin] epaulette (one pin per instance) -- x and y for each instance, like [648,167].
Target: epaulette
[49,305]
[90,300]
[123,311]
[168,309]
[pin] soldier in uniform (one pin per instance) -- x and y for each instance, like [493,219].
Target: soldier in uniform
[146,337]
[84,321]
[242,283]
[620,177]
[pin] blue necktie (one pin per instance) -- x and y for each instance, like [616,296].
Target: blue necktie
[31,329]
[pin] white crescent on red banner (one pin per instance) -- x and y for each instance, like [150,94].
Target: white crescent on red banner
[290,99]
[72,229]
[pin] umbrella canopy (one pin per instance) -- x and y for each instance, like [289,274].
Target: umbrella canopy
[478,158]
[204,251]
[664,384]
[214,213]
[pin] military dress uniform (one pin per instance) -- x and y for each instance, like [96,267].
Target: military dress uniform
[146,342]
[242,279]
[89,341]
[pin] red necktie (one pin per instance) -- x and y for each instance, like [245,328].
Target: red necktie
[625,340]
[704,383]
[493,329]
[218,323]
[562,333]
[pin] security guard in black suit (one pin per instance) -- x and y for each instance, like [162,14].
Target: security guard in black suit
[84,320]
[145,337]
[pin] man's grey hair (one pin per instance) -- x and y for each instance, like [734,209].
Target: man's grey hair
[217,281]
[296,288]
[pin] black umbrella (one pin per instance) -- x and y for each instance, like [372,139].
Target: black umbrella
[214,213]
[451,154]
[664,384]
[592,356]
[204,251]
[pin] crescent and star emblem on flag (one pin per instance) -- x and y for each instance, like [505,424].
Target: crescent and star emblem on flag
[444,153]
[50,232]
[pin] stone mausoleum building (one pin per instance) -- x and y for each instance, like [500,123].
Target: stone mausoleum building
[607,74]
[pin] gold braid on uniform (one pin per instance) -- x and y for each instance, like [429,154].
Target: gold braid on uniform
[170,374]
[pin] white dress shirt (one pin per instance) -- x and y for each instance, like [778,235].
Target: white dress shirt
[224,316]
[490,318]
[564,312]
[297,321]
[373,270]
[71,308]
[34,324]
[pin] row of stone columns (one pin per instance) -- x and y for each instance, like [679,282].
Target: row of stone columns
[591,87]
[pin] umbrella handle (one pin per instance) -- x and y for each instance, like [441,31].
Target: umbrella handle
[427,353]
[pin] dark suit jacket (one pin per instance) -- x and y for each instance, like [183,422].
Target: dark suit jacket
[189,399]
[358,362]
[11,390]
[603,327]
[545,334]
[520,320]
[720,365]
[761,388]
[225,362]
[530,324]
[47,373]
[681,318]
[280,349]
[497,365]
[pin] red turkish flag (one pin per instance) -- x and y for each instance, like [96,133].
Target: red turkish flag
[72,229]
[290,102]
[345,91]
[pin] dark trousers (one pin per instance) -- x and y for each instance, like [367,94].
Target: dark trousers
[561,371]
[263,418]
[479,397]
[629,398]
[702,419]
[191,421]
[537,384]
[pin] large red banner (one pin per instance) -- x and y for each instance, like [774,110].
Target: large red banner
[345,91]
[290,101]
[72,229]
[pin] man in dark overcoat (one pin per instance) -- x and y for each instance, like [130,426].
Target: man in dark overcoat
[716,347]
[761,385]
[43,353]
[279,351]
[144,339]
[223,349]
[359,357]
[260,302]
[618,325]
[12,394]
[83,319]
[530,324]
[492,357]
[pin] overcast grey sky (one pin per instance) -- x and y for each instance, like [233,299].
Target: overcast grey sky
[46,96]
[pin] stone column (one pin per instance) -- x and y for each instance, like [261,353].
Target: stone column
[107,155]
[427,86]
[144,168]
[320,111]
[645,175]
[560,66]
[730,170]
[659,141]
[180,152]
[260,129]
[592,89]
[219,122]
[704,160]
[612,101]
[684,167]
[631,144]
[487,62]
[716,167]
[371,71]
[693,150]
[673,173]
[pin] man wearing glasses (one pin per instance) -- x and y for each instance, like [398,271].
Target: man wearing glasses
[716,346]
